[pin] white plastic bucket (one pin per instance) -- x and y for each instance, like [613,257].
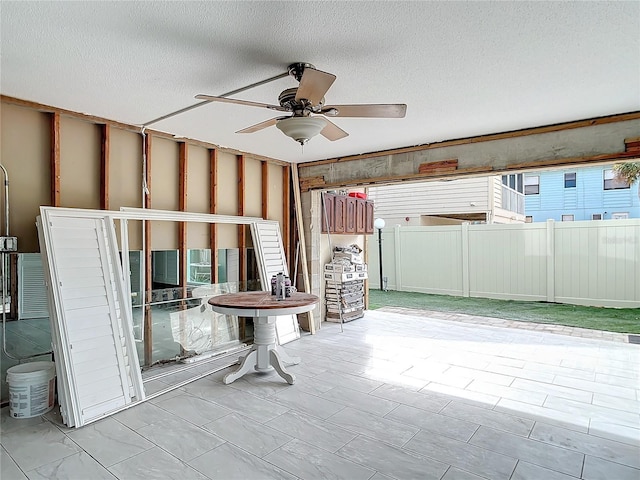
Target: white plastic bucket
[31,389]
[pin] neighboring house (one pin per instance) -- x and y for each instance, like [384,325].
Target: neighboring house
[588,193]
[491,199]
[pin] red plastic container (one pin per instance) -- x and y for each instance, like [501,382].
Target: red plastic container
[358,195]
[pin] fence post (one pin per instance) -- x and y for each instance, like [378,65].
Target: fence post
[397,257]
[551,261]
[465,258]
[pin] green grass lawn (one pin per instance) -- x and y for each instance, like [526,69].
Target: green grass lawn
[623,320]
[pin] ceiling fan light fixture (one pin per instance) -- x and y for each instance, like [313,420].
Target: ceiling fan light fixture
[301,129]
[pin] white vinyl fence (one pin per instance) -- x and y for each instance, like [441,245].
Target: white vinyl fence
[583,263]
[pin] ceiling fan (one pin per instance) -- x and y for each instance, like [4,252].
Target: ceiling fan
[307,105]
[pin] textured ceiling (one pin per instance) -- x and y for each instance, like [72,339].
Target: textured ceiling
[463,68]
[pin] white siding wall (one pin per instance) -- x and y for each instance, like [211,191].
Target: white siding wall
[496,184]
[431,198]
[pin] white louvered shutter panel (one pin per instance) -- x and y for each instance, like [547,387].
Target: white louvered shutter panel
[271,260]
[95,346]
[32,292]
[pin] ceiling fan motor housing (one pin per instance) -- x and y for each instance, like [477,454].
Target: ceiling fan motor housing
[287,99]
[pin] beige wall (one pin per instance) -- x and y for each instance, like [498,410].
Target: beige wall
[165,171]
[198,194]
[79,163]
[253,188]
[24,151]
[125,172]
[227,197]
[275,211]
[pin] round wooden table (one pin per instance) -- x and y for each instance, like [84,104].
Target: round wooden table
[265,354]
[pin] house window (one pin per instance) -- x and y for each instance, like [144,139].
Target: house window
[596,216]
[513,181]
[611,182]
[532,185]
[619,215]
[570,180]
[528,219]
[567,218]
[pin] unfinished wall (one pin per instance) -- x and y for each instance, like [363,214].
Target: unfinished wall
[125,165]
[275,194]
[24,151]
[198,194]
[63,158]
[227,198]
[100,163]
[253,188]
[165,171]
[79,163]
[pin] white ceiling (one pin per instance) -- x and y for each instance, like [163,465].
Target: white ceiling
[463,68]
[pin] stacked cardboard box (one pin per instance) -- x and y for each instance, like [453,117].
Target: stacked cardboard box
[344,291]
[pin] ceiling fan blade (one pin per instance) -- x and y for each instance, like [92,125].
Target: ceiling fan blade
[313,85]
[260,126]
[333,132]
[380,110]
[212,98]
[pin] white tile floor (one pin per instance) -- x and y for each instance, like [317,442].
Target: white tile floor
[394,396]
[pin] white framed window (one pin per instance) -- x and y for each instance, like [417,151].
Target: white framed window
[528,219]
[619,215]
[531,185]
[513,181]
[611,182]
[567,218]
[596,216]
[570,180]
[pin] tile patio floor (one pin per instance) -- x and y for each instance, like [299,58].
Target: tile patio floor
[395,395]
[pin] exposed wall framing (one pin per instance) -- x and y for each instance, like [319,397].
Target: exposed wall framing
[128,127]
[286,214]
[148,280]
[264,166]
[213,208]
[55,159]
[242,239]
[303,247]
[105,146]
[182,226]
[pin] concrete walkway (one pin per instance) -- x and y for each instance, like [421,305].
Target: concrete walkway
[499,322]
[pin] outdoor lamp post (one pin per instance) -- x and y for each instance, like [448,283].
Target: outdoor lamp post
[379,224]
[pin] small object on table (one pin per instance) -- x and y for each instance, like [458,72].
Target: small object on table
[265,354]
[281,286]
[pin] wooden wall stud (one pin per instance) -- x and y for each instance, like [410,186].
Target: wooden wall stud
[55,159]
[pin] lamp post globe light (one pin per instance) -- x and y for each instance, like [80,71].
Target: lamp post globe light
[379,224]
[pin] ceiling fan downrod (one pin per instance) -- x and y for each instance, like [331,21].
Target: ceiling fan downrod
[297,69]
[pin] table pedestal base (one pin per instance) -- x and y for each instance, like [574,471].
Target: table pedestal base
[264,355]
